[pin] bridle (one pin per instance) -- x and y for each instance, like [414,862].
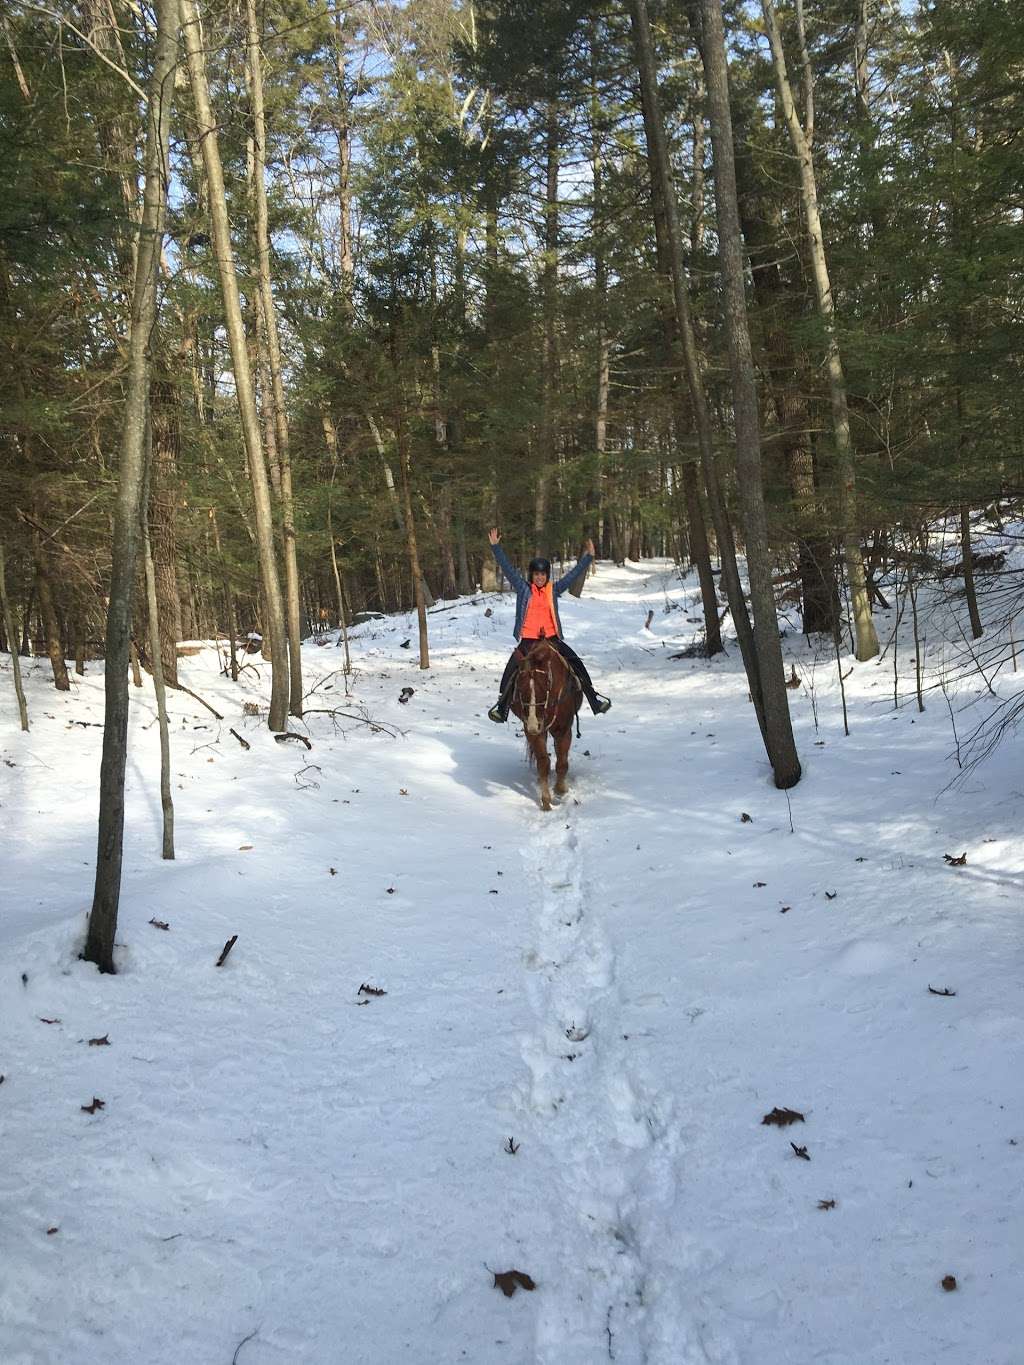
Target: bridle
[552,708]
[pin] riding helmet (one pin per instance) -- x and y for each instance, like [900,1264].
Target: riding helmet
[539,565]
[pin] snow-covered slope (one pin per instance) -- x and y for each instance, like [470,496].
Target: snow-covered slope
[586,1016]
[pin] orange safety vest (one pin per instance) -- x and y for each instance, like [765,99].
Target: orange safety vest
[540,613]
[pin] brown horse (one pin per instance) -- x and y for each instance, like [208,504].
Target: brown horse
[546,697]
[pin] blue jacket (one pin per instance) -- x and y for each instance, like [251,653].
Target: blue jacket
[522,587]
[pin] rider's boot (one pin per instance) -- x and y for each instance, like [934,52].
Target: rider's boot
[499,711]
[598,704]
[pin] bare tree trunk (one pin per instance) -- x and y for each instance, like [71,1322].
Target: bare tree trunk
[967,555]
[548,445]
[801,136]
[12,644]
[410,539]
[99,946]
[163,523]
[48,614]
[291,565]
[662,176]
[155,638]
[244,390]
[778,724]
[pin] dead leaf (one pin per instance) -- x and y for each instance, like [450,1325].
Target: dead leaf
[51,1231]
[826,1203]
[760,883]
[364,989]
[48,1021]
[746,819]
[390,890]
[159,924]
[100,1042]
[92,1108]
[511,1146]
[800,1151]
[333,871]
[782,1118]
[945,991]
[785,909]
[956,862]
[244,848]
[226,949]
[831,895]
[949,1283]
[403,791]
[508,1281]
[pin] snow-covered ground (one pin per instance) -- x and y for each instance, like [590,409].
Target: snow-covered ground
[586,1016]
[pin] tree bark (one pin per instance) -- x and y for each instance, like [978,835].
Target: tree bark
[10,631]
[269,313]
[244,389]
[801,136]
[163,524]
[662,174]
[156,661]
[99,946]
[778,724]
[48,614]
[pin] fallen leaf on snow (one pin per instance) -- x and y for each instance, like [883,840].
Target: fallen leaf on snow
[831,895]
[92,1108]
[159,924]
[746,819]
[782,1118]
[225,950]
[826,1203]
[945,991]
[364,989]
[760,883]
[403,791]
[956,862]
[51,1231]
[511,1146]
[949,1283]
[508,1281]
[48,1021]
[800,1152]
[244,848]
[100,1042]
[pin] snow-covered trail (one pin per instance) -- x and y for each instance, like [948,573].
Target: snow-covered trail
[622,987]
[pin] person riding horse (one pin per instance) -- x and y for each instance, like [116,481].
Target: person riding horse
[537,619]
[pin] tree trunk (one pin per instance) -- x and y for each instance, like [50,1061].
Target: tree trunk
[778,724]
[48,614]
[99,946]
[269,313]
[548,445]
[410,538]
[662,176]
[12,644]
[801,136]
[163,524]
[155,641]
[244,390]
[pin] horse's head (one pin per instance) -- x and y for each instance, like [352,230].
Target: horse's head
[546,692]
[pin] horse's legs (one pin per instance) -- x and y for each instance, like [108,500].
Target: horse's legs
[539,745]
[563,741]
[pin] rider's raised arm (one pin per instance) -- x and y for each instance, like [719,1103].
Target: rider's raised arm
[580,567]
[507,567]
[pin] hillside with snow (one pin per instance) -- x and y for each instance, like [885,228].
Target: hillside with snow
[457,1036]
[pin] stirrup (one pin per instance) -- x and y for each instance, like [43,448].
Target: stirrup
[498,713]
[604,704]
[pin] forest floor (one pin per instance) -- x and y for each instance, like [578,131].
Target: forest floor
[457,1036]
